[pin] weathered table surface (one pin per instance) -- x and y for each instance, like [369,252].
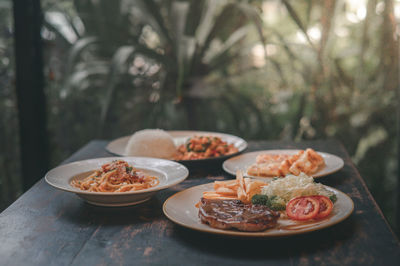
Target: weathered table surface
[46,226]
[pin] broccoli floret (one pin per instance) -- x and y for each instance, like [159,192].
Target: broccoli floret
[259,199]
[274,203]
[333,198]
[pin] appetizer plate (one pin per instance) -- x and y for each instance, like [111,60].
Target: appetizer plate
[241,162]
[180,208]
[168,172]
[117,146]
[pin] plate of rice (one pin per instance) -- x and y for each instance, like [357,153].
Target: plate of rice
[182,146]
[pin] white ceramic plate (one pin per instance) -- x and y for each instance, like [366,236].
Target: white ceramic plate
[169,173]
[117,146]
[180,208]
[241,162]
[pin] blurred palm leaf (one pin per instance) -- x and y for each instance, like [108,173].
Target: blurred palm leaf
[158,22]
[81,79]
[297,20]
[75,52]
[118,66]
[223,51]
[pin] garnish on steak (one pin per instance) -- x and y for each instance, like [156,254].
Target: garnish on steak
[226,214]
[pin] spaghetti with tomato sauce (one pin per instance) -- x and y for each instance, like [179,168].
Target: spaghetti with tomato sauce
[117,176]
[202,147]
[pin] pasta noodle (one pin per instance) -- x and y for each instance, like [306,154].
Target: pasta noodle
[117,176]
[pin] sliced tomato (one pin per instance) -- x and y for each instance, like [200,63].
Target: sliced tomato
[302,208]
[325,206]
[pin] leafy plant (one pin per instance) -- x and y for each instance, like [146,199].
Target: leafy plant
[179,54]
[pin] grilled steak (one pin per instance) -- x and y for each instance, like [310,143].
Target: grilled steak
[226,214]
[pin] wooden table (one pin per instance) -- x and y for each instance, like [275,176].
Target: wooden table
[46,226]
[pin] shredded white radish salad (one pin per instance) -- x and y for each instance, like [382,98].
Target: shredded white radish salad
[293,186]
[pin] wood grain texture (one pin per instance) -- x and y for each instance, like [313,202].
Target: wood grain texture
[50,227]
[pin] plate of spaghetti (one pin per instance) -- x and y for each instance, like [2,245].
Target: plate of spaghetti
[117,181]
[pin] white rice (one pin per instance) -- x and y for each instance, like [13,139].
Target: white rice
[151,143]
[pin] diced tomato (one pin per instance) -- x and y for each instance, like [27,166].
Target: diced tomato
[302,208]
[325,206]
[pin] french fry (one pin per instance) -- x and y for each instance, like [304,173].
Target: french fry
[252,189]
[241,188]
[232,184]
[241,195]
[247,183]
[227,197]
[210,193]
[217,196]
[240,179]
[226,191]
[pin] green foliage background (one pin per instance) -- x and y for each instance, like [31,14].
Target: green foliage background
[258,69]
